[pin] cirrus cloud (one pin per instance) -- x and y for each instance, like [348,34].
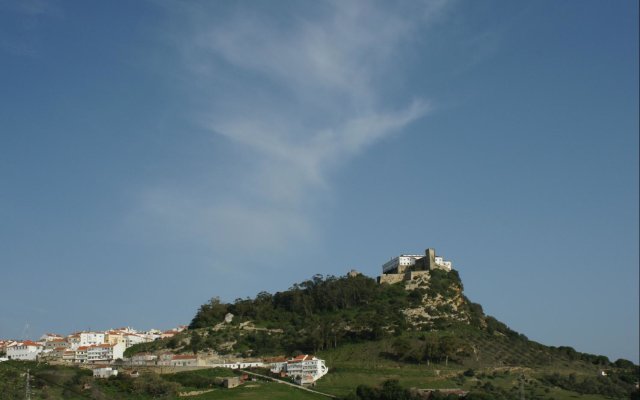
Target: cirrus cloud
[302,93]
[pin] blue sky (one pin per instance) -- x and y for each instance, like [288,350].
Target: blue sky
[156,154]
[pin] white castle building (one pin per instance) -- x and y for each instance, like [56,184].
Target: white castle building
[400,263]
[406,267]
[426,262]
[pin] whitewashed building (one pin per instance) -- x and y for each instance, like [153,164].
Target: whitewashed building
[104,373]
[26,350]
[80,356]
[304,369]
[69,356]
[4,344]
[91,338]
[55,343]
[74,341]
[134,338]
[105,352]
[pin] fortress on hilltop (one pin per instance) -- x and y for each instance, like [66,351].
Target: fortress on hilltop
[406,267]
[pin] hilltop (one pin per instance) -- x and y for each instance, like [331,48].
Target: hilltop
[324,313]
[414,324]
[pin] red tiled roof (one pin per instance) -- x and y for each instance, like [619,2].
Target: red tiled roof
[30,343]
[301,357]
[183,357]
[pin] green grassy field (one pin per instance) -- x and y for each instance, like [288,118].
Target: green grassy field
[350,366]
[361,364]
[259,390]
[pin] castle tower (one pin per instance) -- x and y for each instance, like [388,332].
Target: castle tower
[429,259]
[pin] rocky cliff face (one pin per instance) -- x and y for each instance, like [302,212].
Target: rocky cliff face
[441,299]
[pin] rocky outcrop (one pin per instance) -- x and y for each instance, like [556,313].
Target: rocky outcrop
[438,302]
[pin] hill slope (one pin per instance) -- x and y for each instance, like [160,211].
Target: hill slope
[425,329]
[430,318]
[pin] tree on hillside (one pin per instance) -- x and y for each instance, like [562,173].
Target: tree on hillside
[209,314]
[196,342]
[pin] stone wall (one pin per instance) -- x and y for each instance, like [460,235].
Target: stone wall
[390,278]
[409,275]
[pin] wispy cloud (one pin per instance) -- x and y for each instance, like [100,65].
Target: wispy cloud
[303,92]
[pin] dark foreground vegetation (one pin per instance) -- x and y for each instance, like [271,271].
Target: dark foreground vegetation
[66,382]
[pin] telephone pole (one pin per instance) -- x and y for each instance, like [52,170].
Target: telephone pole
[27,387]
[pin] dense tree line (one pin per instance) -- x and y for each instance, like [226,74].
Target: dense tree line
[323,312]
[316,314]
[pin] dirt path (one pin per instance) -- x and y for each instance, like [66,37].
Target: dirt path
[289,383]
[194,393]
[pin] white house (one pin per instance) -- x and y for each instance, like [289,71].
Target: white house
[74,341]
[4,344]
[80,356]
[134,338]
[55,343]
[91,338]
[26,350]
[69,356]
[105,352]
[104,373]
[304,369]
